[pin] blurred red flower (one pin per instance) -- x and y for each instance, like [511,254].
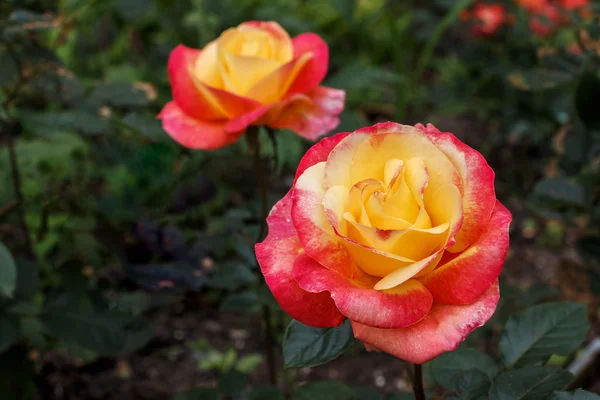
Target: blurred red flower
[488,17]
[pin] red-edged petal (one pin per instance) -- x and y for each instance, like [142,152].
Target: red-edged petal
[401,306]
[312,115]
[241,122]
[315,70]
[270,26]
[194,133]
[479,197]
[465,277]
[198,99]
[318,239]
[276,255]
[442,330]
[318,153]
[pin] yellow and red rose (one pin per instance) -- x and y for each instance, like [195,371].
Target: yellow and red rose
[253,74]
[396,228]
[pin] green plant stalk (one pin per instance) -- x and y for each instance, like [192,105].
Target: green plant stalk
[12,156]
[406,91]
[252,137]
[417,382]
[433,41]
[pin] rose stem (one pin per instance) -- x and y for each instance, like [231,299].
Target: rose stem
[417,383]
[252,136]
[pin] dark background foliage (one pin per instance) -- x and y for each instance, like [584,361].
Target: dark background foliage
[127,268]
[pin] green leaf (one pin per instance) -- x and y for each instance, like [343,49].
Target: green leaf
[233,384]
[265,392]
[106,332]
[231,276]
[249,363]
[537,333]
[305,346]
[324,390]
[472,384]
[28,280]
[46,123]
[244,301]
[120,94]
[145,124]
[561,190]
[448,367]
[530,383]
[9,334]
[576,395]
[199,394]
[8,272]
[357,77]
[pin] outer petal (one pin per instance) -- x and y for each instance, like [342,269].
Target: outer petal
[318,153]
[401,306]
[276,258]
[317,236]
[442,330]
[194,133]
[479,198]
[311,115]
[315,70]
[467,276]
[273,87]
[198,99]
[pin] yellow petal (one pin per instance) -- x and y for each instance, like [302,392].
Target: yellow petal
[417,178]
[243,72]
[391,171]
[334,201]
[206,67]
[273,87]
[405,273]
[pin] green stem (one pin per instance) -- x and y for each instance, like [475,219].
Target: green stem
[252,137]
[433,41]
[417,383]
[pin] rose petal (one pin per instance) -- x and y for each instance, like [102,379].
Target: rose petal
[193,133]
[442,330]
[398,307]
[318,239]
[273,87]
[364,154]
[310,115]
[465,277]
[479,198]
[319,152]
[276,255]
[315,70]
[196,98]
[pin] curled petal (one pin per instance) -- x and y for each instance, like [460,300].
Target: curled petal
[193,133]
[195,97]
[314,231]
[313,73]
[273,87]
[310,115]
[276,256]
[466,276]
[318,153]
[398,307]
[479,197]
[442,330]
